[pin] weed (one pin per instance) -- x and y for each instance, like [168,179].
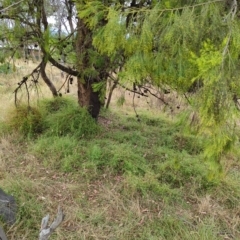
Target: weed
[94,154]
[5,68]
[121,100]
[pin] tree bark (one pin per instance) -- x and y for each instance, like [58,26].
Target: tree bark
[86,96]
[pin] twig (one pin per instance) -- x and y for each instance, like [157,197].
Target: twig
[6,8]
[133,10]
[67,78]
[24,81]
[134,108]
[187,98]
[153,94]
[28,97]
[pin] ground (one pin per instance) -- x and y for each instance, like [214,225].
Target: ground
[133,179]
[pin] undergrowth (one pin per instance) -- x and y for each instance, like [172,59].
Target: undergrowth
[56,117]
[126,179]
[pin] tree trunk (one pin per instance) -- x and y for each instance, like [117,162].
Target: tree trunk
[86,96]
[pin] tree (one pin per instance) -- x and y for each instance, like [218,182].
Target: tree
[68,40]
[178,44]
[168,44]
[27,22]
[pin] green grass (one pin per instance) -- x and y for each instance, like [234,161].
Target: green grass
[126,180]
[56,117]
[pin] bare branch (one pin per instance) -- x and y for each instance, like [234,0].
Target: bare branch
[24,81]
[46,231]
[63,68]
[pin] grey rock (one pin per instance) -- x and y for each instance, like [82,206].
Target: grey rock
[8,208]
[2,234]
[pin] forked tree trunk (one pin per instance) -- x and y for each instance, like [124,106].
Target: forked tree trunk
[86,96]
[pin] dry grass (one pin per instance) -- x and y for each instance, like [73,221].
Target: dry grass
[9,84]
[91,208]
[99,209]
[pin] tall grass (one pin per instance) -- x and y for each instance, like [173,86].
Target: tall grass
[54,117]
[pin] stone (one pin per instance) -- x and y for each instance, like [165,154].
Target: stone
[2,234]
[8,208]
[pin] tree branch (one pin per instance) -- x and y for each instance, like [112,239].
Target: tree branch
[68,70]
[6,8]
[46,231]
[46,79]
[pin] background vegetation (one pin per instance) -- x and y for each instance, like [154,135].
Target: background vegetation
[162,161]
[120,179]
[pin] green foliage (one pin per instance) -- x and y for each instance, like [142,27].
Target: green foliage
[178,171]
[148,173]
[92,11]
[29,210]
[46,40]
[121,100]
[177,43]
[94,154]
[106,34]
[5,68]
[126,160]
[100,87]
[150,185]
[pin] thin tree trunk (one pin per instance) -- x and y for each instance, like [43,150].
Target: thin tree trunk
[47,80]
[110,94]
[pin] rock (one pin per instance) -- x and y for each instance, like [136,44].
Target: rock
[2,234]
[8,208]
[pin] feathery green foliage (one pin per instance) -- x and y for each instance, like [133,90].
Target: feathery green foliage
[175,43]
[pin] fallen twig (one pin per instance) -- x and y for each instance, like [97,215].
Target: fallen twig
[47,231]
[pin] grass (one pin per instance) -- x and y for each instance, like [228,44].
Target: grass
[121,180]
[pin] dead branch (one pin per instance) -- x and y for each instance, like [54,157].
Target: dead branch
[47,231]
[24,82]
